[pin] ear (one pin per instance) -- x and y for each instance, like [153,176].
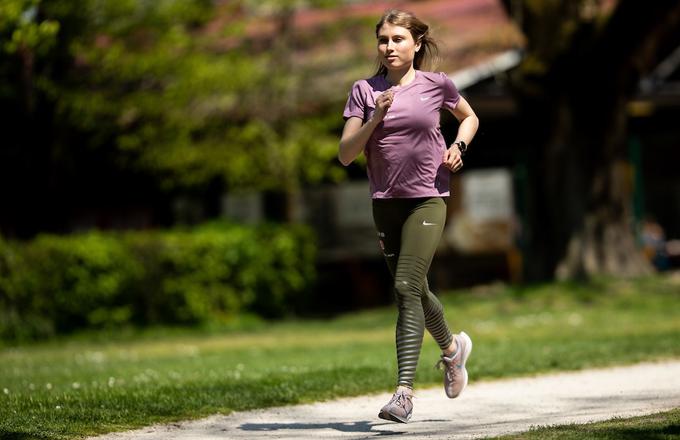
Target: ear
[418,44]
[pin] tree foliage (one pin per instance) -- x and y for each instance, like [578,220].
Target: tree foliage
[164,88]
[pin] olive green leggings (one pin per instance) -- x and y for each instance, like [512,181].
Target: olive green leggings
[409,231]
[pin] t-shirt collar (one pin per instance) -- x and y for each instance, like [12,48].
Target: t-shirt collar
[401,88]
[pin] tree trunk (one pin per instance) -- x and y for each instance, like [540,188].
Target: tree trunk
[574,105]
[604,244]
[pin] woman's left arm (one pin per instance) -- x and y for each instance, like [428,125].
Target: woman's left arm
[466,132]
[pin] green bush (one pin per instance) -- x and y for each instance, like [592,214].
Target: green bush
[56,284]
[79,281]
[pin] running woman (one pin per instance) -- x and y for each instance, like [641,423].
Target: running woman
[393,117]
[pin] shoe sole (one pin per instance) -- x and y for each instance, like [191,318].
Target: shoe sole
[393,418]
[465,355]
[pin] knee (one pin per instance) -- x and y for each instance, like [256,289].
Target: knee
[406,291]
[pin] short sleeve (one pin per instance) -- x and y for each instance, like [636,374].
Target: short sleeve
[451,95]
[355,103]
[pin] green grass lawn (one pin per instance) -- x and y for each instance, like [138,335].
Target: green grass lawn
[659,426]
[97,383]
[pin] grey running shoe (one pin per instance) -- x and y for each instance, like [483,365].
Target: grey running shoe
[398,409]
[455,374]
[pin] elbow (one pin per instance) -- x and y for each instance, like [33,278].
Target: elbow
[471,123]
[343,160]
[475,121]
[342,156]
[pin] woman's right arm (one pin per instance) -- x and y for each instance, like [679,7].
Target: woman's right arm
[354,138]
[355,135]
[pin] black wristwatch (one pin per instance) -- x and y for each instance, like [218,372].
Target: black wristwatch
[462,147]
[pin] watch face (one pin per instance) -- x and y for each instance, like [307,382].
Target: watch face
[461,146]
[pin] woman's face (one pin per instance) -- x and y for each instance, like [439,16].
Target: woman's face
[396,47]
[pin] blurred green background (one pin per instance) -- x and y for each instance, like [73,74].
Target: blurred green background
[173,162]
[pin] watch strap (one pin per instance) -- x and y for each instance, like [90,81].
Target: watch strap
[462,147]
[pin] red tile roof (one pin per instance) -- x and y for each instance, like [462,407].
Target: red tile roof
[335,46]
[469,30]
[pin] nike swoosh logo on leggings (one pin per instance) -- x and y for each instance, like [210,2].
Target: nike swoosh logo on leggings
[426,223]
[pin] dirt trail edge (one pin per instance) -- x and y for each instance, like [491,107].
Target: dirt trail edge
[484,409]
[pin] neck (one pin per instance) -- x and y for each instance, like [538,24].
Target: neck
[401,77]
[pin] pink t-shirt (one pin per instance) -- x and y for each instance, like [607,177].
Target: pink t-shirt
[405,151]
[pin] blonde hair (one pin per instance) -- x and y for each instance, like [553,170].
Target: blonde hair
[428,55]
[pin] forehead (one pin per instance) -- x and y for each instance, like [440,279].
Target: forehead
[391,30]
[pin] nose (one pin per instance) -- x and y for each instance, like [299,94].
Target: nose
[390,45]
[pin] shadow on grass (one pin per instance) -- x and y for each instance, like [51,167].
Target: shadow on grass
[659,433]
[648,429]
[19,436]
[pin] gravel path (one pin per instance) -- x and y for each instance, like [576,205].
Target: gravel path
[484,409]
